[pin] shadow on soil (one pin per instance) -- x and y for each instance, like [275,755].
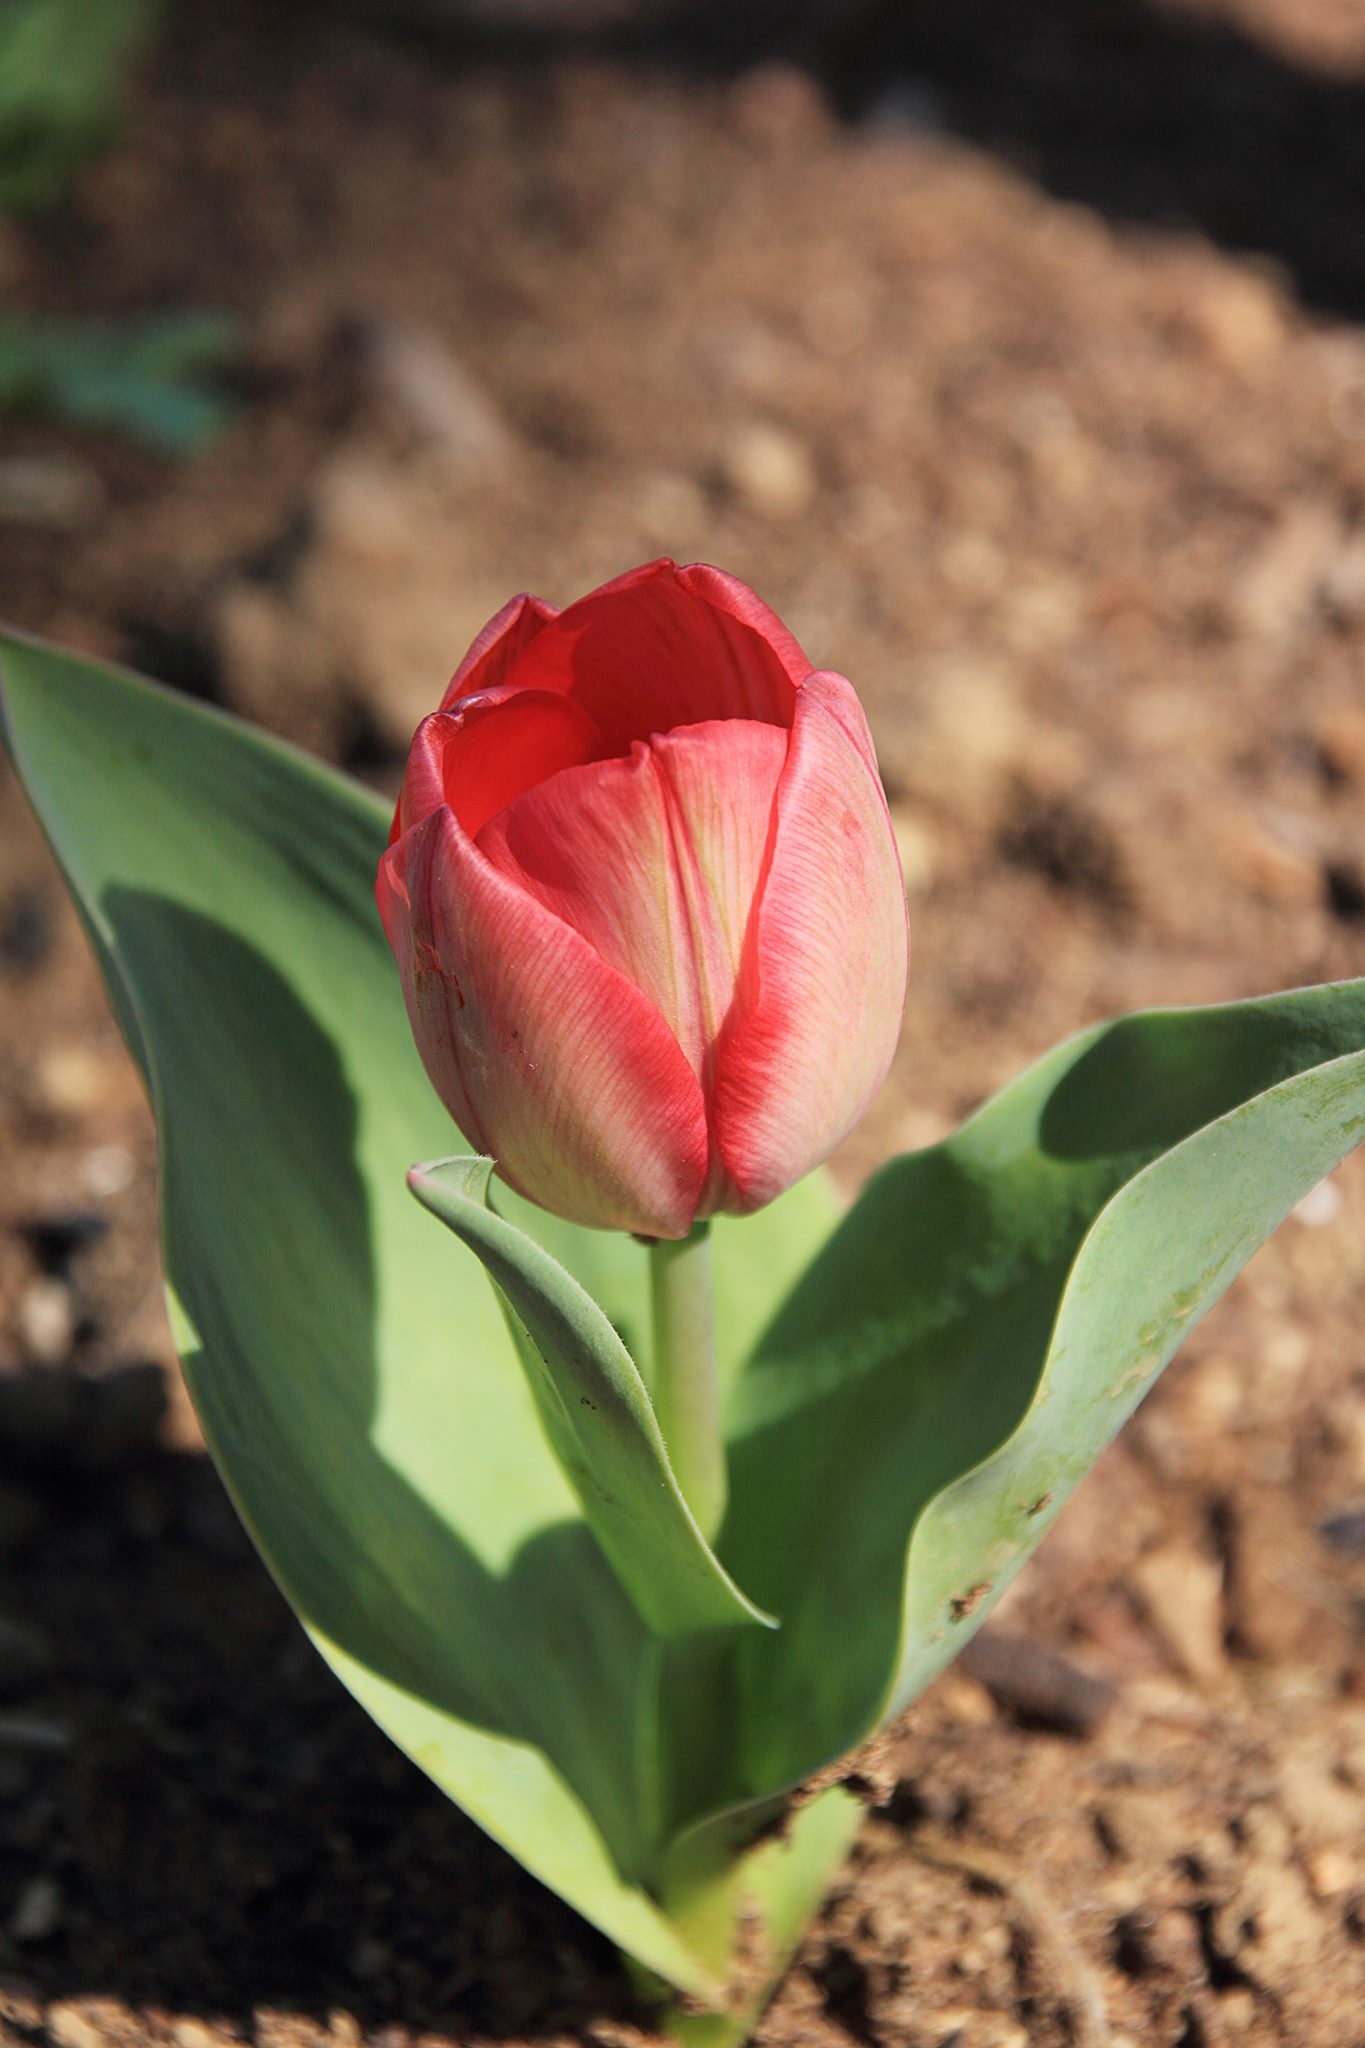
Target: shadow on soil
[226,1831]
[1148,115]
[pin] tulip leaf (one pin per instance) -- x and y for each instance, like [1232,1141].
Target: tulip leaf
[355,1377]
[1018,1289]
[596,1413]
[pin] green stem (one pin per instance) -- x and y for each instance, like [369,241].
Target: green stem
[686,1393]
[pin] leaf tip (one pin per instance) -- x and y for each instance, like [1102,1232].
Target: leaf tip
[467,1175]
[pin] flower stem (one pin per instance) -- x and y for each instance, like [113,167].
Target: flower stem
[686,1394]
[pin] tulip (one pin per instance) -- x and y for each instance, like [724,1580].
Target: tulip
[646,903]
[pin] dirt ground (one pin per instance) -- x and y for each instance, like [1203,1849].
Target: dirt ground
[1045,425]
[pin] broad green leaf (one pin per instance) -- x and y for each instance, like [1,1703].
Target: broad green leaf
[1017,1289]
[355,1377]
[596,1412]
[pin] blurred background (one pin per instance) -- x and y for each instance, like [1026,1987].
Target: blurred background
[1013,350]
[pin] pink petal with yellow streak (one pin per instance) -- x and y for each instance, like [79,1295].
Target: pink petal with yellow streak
[656,860]
[547,1057]
[821,989]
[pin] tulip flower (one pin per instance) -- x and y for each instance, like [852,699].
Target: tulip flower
[646,903]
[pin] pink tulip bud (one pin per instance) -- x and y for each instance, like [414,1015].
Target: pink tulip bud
[646,903]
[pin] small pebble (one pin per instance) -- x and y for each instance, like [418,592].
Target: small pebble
[1285,1349]
[108,1169]
[1331,1872]
[770,472]
[70,1080]
[194,2034]
[1182,1591]
[1239,319]
[1320,1205]
[68,2027]
[1238,2007]
[47,1320]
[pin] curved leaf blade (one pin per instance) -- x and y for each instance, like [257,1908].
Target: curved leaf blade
[354,1375]
[1019,1286]
[596,1413]
[1152,1265]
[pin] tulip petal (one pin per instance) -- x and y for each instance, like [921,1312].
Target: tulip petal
[506,636]
[818,1008]
[650,652]
[727,594]
[489,750]
[721,782]
[656,860]
[546,1057]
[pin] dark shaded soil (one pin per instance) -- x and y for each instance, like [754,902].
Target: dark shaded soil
[1076,494]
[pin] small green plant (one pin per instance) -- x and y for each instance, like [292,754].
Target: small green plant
[470,1492]
[151,378]
[64,67]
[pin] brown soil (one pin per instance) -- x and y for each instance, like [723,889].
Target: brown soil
[1077,496]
